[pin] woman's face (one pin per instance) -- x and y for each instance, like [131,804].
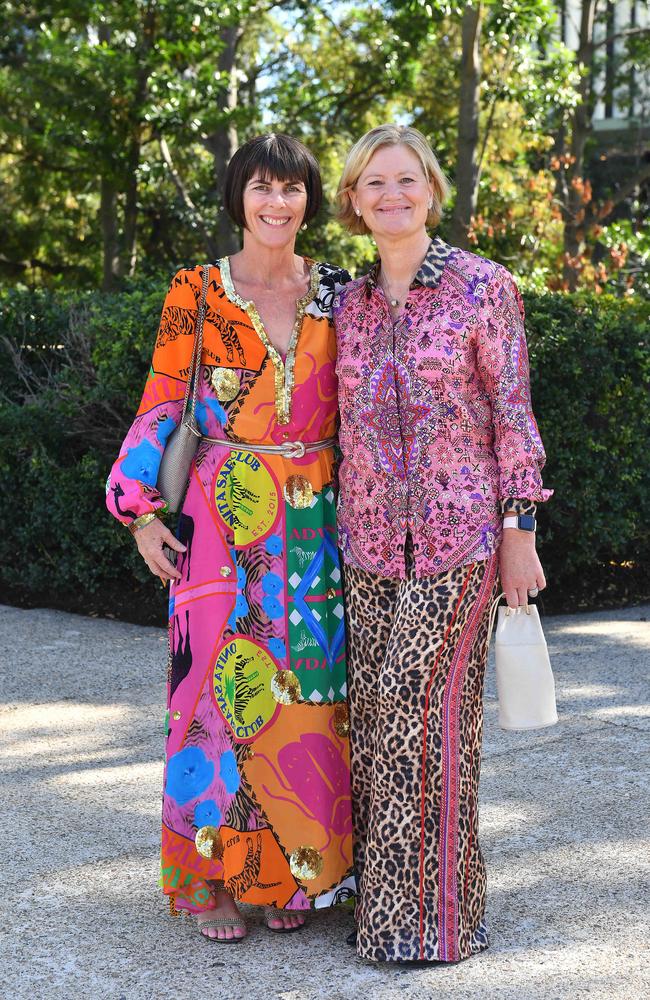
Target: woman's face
[393,193]
[274,210]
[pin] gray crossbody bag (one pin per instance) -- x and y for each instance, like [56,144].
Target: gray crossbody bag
[180,449]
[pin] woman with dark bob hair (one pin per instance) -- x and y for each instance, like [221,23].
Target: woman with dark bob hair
[256,803]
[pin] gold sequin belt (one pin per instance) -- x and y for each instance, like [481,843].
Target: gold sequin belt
[290,449]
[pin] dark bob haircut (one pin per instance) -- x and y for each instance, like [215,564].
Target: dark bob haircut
[274,157]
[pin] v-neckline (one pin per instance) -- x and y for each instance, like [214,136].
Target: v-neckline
[284,368]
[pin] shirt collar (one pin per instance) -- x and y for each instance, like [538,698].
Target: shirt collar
[431,269]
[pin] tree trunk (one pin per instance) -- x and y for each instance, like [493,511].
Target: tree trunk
[468,127]
[128,244]
[108,211]
[110,238]
[573,208]
[223,143]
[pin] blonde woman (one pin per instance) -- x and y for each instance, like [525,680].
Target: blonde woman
[438,487]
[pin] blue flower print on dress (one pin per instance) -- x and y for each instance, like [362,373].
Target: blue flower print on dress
[189,773]
[242,606]
[240,610]
[277,648]
[228,772]
[142,463]
[271,584]
[165,428]
[274,545]
[207,813]
[272,607]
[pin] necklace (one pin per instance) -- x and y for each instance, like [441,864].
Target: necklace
[391,298]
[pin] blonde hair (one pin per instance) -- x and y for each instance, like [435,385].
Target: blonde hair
[361,154]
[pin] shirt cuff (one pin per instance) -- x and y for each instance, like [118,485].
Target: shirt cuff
[517,505]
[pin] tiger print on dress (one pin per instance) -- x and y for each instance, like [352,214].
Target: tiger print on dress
[239,884]
[174,323]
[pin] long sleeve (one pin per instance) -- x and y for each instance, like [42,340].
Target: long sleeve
[502,357]
[131,487]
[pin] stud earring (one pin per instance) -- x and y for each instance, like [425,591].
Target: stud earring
[357,211]
[304,226]
[430,205]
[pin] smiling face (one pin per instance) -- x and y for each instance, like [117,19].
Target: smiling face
[393,193]
[274,209]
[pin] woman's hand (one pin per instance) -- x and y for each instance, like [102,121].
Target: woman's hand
[519,566]
[150,541]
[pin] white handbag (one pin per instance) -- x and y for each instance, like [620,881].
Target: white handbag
[525,685]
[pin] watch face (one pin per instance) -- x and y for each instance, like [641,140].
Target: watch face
[526,522]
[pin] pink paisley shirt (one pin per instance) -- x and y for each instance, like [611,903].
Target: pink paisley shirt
[437,431]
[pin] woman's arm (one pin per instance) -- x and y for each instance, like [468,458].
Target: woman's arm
[502,357]
[131,493]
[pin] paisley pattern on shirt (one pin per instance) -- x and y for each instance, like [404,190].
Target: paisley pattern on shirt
[437,429]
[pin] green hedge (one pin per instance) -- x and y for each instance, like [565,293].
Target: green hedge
[84,361]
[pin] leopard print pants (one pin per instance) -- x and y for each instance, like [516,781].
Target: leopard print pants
[417,651]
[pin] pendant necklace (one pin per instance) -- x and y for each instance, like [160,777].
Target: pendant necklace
[393,301]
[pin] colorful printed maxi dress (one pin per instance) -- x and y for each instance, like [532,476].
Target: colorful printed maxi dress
[256,788]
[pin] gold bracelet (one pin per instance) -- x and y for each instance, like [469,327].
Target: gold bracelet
[142,521]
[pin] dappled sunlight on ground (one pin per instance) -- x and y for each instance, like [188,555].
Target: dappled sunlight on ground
[564,824]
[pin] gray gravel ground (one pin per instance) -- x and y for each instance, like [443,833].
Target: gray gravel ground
[564,829]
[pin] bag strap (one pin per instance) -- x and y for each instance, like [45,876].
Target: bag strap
[197,351]
[493,611]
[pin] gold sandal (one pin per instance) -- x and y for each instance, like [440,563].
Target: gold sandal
[272,913]
[213,923]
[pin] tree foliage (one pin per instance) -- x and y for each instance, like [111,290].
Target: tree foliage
[117,122]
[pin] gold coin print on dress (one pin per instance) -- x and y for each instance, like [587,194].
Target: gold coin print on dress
[285,687]
[341,719]
[225,384]
[306,863]
[208,842]
[298,492]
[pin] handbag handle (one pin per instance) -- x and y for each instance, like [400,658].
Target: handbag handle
[493,611]
[197,351]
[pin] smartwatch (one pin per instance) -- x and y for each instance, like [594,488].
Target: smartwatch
[524,522]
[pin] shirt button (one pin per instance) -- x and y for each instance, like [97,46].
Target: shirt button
[176,716]
[331,592]
[225,570]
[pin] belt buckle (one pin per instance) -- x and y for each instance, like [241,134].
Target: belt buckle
[295,449]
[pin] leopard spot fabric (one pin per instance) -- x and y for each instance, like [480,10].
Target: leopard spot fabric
[416,663]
